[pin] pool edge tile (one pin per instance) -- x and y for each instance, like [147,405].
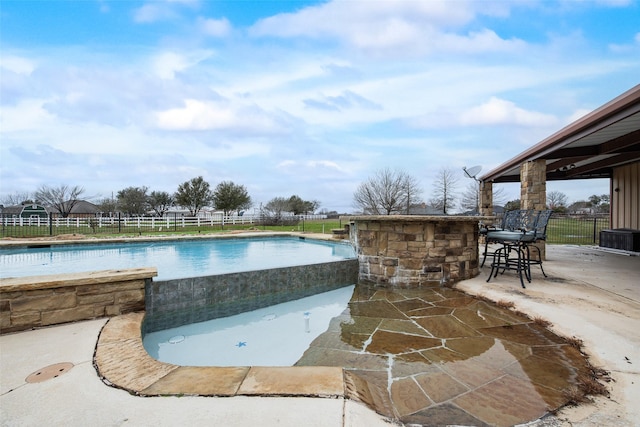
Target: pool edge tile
[120,358]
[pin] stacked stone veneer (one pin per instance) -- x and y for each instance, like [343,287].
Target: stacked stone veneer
[533,191]
[179,302]
[30,302]
[533,185]
[409,251]
[486,198]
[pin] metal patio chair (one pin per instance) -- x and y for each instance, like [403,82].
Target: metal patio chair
[516,242]
[540,236]
[509,222]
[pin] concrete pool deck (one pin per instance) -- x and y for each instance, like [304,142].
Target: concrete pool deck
[590,294]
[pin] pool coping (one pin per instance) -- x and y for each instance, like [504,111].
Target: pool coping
[62,280]
[122,362]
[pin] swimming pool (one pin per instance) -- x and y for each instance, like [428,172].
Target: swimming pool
[174,259]
[272,336]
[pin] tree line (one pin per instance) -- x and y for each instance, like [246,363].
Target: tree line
[389,192]
[193,195]
[558,202]
[386,192]
[393,191]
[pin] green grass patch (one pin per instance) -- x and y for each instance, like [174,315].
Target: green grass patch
[577,231]
[561,230]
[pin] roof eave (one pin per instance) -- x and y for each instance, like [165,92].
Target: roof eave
[597,116]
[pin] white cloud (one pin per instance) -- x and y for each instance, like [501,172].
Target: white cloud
[215,27]
[195,115]
[26,115]
[633,45]
[347,19]
[394,27]
[313,169]
[152,12]
[160,10]
[615,3]
[17,64]
[498,111]
[344,101]
[167,64]
[285,164]
[478,42]
[325,164]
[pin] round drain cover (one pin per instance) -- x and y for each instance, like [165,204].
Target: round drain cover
[48,372]
[176,339]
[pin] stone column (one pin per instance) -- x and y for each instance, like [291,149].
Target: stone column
[533,190]
[486,198]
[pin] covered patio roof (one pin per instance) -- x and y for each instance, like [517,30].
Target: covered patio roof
[590,147]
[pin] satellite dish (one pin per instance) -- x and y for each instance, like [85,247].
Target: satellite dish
[472,172]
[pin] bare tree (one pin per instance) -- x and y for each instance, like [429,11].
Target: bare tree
[62,198]
[499,196]
[194,195]
[17,198]
[387,192]
[471,197]
[273,213]
[556,200]
[444,190]
[108,205]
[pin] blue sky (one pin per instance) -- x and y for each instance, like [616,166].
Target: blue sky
[296,97]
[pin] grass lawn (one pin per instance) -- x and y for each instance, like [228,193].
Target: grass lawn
[561,230]
[577,231]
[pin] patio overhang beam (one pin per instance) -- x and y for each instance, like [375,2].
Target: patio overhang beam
[609,163]
[617,145]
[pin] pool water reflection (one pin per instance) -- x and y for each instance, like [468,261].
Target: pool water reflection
[174,259]
[437,356]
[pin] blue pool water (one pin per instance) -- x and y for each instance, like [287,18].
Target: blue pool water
[273,336]
[174,259]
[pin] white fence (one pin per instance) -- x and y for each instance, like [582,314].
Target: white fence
[168,222]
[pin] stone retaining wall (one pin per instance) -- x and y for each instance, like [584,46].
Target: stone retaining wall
[31,302]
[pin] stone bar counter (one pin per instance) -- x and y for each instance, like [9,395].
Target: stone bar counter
[412,251]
